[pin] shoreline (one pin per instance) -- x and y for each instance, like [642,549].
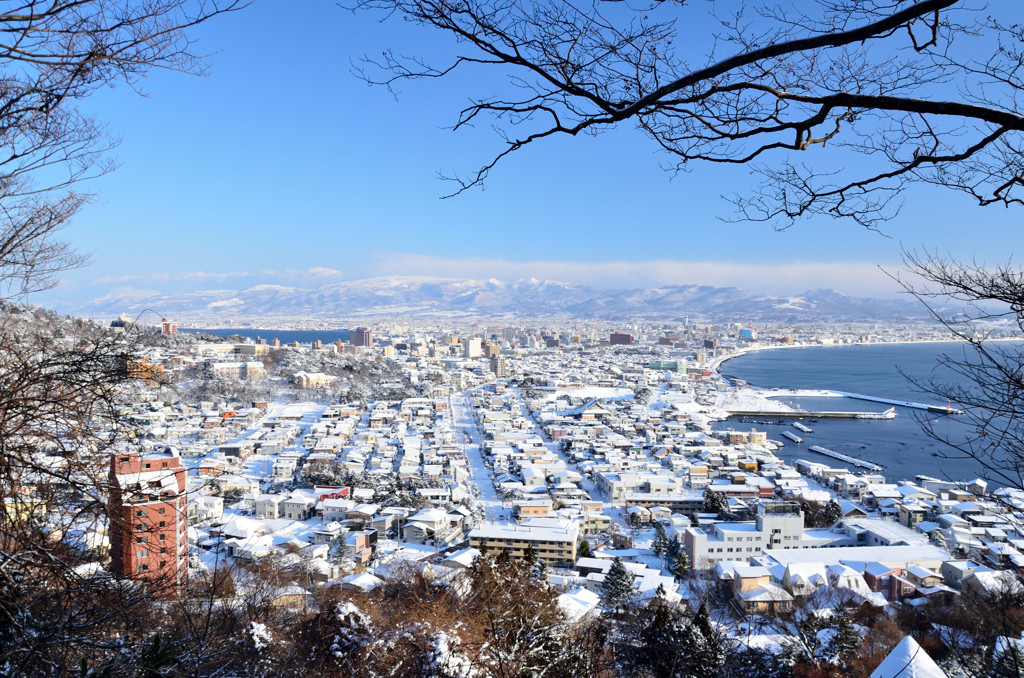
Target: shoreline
[716,364]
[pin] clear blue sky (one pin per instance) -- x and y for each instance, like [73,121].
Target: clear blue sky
[281,167]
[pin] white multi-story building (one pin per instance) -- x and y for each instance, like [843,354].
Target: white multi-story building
[472,348]
[778,525]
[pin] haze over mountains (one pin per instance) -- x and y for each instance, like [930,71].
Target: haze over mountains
[529,297]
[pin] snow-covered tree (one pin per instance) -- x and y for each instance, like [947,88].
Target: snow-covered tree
[715,502]
[833,512]
[679,566]
[618,588]
[845,639]
[662,640]
[673,548]
[660,542]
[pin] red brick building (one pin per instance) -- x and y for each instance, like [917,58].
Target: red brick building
[148,523]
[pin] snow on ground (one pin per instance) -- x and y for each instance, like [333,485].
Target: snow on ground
[467,435]
[684,402]
[799,393]
[753,400]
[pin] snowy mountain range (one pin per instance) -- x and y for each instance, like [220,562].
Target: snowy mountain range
[529,297]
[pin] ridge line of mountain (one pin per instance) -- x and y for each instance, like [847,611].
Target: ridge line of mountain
[420,295]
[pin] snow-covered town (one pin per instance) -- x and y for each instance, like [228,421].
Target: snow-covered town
[353,468]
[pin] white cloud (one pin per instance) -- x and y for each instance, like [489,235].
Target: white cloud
[853,278]
[203,275]
[325,272]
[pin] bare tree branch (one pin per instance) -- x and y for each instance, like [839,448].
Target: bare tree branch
[897,81]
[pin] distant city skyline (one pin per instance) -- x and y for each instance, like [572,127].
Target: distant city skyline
[281,167]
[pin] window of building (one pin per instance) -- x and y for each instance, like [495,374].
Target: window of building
[142,567]
[141,513]
[142,553]
[163,550]
[162,511]
[163,563]
[145,466]
[163,465]
[162,537]
[163,523]
[140,540]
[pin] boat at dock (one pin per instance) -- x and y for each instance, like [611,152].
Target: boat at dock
[888,414]
[792,436]
[802,427]
[845,457]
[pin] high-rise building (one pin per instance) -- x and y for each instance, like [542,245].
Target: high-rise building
[168,326]
[361,336]
[499,366]
[148,521]
[620,339]
[472,348]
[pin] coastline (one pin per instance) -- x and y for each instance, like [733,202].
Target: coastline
[718,362]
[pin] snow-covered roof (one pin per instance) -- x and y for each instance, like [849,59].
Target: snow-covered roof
[908,660]
[577,602]
[363,582]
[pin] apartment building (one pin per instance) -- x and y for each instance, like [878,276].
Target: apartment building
[148,519]
[556,546]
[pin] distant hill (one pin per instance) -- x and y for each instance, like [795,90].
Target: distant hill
[529,297]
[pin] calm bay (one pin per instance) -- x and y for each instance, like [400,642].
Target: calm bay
[900,445]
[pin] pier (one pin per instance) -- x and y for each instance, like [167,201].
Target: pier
[799,414]
[845,457]
[901,403]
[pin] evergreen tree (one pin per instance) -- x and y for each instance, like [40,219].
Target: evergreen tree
[530,555]
[673,548]
[833,512]
[679,566]
[584,550]
[845,640]
[754,662]
[715,502]
[939,538]
[660,543]
[710,501]
[618,588]
[662,641]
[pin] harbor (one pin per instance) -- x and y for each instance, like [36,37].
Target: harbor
[803,378]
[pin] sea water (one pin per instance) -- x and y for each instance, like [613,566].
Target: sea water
[881,370]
